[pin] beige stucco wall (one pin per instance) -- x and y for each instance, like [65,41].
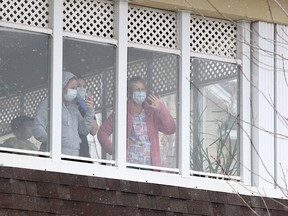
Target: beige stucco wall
[275,11]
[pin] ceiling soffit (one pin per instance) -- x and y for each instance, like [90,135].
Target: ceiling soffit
[275,11]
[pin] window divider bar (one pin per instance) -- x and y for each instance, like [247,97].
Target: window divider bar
[183,20]
[56,12]
[121,31]
[244,54]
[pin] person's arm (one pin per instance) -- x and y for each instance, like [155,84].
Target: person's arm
[104,133]
[41,122]
[86,122]
[166,123]
[94,128]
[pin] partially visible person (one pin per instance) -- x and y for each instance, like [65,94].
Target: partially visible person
[81,96]
[146,117]
[73,123]
[22,127]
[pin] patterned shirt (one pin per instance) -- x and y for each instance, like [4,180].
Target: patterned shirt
[139,146]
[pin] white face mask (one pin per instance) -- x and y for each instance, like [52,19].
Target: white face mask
[139,97]
[81,92]
[71,95]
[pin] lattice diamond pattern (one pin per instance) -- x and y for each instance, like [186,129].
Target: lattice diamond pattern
[32,100]
[89,17]
[137,69]
[160,77]
[9,109]
[108,79]
[207,71]
[164,74]
[213,37]
[152,27]
[28,12]
[94,84]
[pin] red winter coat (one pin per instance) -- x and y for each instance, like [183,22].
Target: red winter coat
[157,120]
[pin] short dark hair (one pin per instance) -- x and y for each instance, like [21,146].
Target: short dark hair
[18,121]
[134,80]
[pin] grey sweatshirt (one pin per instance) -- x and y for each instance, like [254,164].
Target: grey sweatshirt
[73,123]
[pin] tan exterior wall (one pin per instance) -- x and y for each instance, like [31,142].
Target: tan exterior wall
[275,11]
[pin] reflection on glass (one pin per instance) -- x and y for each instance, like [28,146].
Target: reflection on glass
[94,66]
[152,96]
[23,84]
[214,103]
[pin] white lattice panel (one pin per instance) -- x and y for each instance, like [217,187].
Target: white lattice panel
[164,74]
[207,71]
[152,27]
[32,100]
[213,37]
[94,84]
[137,69]
[160,76]
[108,79]
[28,12]
[89,17]
[9,109]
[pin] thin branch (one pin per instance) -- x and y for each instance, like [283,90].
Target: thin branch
[282,8]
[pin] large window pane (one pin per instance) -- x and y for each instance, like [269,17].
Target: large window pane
[24,66]
[214,104]
[94,66]
[151,126]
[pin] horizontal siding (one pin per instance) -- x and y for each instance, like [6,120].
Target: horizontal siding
[31,192]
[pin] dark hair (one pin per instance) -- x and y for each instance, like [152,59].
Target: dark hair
[18,121]
[80,77]
[134,80]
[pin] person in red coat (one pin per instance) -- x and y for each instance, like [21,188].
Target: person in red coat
[146,116]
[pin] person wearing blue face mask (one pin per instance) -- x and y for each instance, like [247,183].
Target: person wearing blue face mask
[22,129]
[146,116]
[73,123]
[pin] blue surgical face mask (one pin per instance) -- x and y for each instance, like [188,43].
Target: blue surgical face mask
[71,95]
[81,92]
[139,97]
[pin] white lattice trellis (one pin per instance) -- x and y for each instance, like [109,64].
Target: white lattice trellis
[205,71]
[94,84]
[32,100]
[89,17]
[9,109]
[28,12]
[160,74]
[164,74]
[209,36]
[137,69]
[152,27]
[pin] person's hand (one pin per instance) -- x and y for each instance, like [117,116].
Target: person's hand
[155,100]
[90,103]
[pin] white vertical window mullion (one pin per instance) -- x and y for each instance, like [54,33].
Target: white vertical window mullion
[183,24]
[281,89]
[243,53]
[56,11]
[121,31]
[263,105]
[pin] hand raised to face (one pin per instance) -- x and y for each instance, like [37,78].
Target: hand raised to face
[89,103]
